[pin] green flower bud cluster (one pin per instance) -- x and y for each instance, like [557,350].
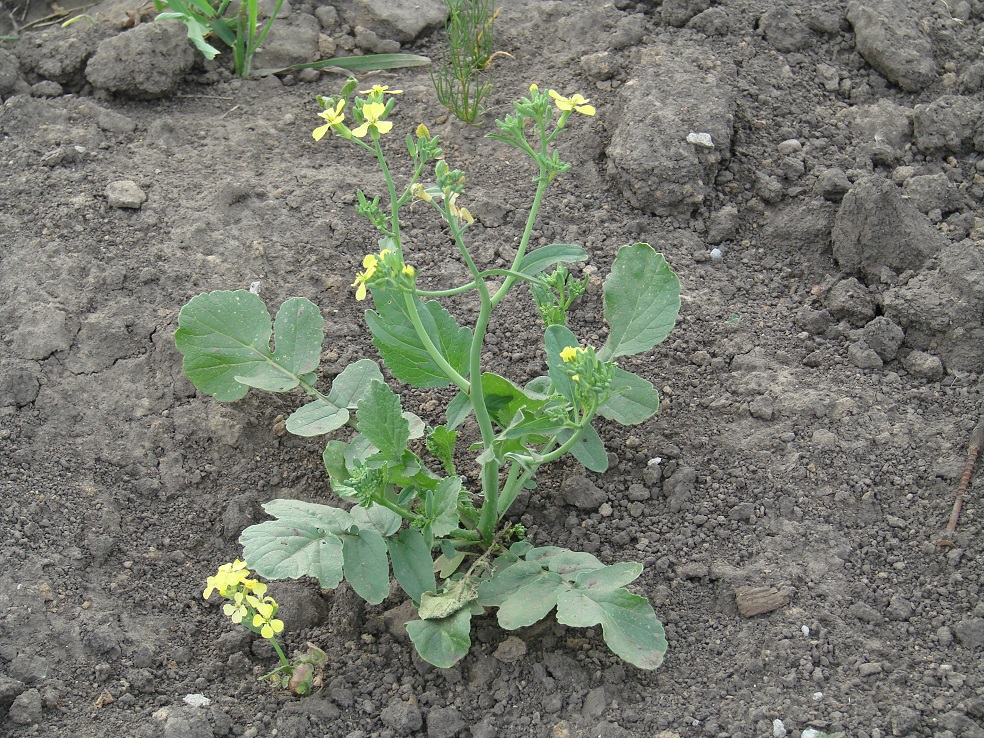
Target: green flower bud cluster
[591,378]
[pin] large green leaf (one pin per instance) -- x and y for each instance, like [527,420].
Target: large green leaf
[402,349]
[628,623]
[225,339]
[381,421]
[302,541]
[366,565]
[320,417]
[633,399]
[642,299]
[413,566]
[443,642]
[540,259]
[524,593]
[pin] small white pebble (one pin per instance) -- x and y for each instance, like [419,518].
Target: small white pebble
[700,139]
[717,255]
[778,729]
[817,696]
[197,700]
[254,287]
[806,630]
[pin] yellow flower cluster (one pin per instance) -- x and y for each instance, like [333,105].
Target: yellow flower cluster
[372,264]
[246,597]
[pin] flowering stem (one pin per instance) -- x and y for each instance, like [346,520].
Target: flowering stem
[432,350]
[488,517]
[394,201]
[541,187]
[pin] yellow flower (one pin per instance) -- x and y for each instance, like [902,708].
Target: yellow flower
[370,263]
[227,577]
[332,118]
[409,271]
[574,102]
[264,620]
[533,87]
[422,131]
[380,90]
[371,112]
[419,192]
[570,353]
[239,607]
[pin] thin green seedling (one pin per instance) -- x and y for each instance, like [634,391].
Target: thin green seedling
[409,508]
[461,82]
[236,26]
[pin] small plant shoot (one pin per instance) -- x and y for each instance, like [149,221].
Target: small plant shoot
[449,544]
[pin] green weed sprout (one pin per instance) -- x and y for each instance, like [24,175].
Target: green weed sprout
[238,28]
[451,547]
[460,82]
[250,606]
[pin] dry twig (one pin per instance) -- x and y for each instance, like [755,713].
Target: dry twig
[973,451]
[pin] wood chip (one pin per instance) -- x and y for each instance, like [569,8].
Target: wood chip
[757,600]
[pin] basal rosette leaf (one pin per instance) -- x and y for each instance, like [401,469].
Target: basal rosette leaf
[628,622]
[585,593]
[304,540]
[225,339]
[642,300]
[442,642]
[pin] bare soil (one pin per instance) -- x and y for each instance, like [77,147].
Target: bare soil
[777,462]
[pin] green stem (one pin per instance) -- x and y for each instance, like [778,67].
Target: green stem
[488,515]
[398,509]
[541,186]
[432,350]
[394,201]
[280,652]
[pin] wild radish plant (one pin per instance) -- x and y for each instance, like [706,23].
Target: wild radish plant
[452,548]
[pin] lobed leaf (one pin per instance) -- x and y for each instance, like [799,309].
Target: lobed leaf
[302,541]
[225,339]
[642,299]
[628,623]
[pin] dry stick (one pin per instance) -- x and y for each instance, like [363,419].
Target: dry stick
[973,450]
